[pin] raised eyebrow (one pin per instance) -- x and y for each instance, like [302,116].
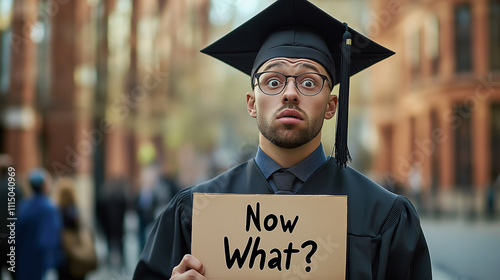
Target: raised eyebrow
[272,65]
[309,66]
[301,66]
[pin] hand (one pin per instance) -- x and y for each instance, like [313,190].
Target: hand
[189,268]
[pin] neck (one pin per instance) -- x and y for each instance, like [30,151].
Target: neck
[287,158]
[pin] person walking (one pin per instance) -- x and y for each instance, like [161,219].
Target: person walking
[38,231]
[78,248]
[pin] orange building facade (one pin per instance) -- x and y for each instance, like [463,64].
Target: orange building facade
[83,84]
[436,103]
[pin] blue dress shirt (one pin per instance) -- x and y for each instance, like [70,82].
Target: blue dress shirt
[302,170]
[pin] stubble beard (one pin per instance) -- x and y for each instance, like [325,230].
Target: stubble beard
[287,136]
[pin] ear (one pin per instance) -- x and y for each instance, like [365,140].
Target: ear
[331,107]
[252,111]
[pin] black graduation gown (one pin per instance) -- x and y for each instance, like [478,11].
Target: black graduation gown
[384,237]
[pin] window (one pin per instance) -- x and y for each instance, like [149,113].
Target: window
[41,36]
[413,139]
[5,37]
[413,50]
[495,141]
[463,43]
[5,46]
[432,43]
[435,159]
[463,165]
[495,35]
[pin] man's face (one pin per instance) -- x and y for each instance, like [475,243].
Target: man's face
[291,119]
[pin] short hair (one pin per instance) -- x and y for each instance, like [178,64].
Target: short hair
[37,179]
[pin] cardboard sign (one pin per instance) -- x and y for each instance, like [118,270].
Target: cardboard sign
[270,236]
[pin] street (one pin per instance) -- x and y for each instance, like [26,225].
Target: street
[131,253]
[464,250]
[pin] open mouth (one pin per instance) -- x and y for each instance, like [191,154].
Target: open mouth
[290,114]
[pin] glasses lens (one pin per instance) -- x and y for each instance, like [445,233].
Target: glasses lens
[309,83]
[272,82]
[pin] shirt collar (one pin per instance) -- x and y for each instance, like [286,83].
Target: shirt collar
[302,170]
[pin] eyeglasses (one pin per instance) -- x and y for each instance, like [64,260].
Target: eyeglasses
[273,83]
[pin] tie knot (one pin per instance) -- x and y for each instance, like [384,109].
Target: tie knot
[284,180]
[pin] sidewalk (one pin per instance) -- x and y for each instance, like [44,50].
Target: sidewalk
[463,250]
[131,253]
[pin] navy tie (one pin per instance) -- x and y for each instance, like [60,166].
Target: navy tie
[284,181]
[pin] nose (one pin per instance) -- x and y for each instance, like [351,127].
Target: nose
[291,93]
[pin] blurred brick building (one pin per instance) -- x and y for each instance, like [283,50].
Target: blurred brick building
[83,84]
[436,103]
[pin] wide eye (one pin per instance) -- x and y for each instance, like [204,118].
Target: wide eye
[308,83]
[273,83]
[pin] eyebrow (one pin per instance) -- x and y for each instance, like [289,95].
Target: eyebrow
[309,66]
[272,65]
[301,66]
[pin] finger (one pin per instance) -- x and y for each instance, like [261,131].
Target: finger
[188,262]
[191,274]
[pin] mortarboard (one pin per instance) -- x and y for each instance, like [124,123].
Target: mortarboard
[299,29]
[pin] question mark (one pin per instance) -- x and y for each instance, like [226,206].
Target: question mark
[311,253]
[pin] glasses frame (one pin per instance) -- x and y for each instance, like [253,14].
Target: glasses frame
[324,78]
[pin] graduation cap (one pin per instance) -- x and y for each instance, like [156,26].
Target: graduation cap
[299,29]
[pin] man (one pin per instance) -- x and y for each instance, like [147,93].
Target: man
[295,53]
[38,231]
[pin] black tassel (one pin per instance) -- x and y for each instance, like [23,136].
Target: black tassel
[341,151]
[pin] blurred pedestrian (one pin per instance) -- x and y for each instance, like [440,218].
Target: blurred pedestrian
[6,168]
[491,198]
[171,187]
[157,189]
[112,205]
[147,201]
[38,231]
[79,255]
[415,182]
